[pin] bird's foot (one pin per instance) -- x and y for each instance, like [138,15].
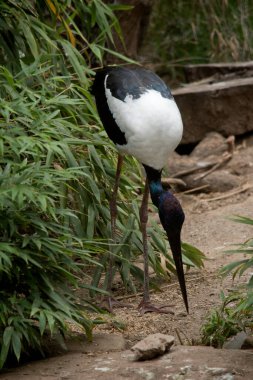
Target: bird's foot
[109,303]
[148,307]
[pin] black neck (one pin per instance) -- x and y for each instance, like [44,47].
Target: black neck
[155,184]
[152,174]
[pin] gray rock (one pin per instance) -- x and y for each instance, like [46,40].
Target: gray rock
[240,341]
[236,342]
[152,346]
[220,181]
[213,144]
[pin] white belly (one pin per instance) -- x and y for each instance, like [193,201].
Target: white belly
[152,125]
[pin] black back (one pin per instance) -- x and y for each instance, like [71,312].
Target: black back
[122,82]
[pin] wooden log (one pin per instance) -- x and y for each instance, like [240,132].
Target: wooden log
[224,107]
[197,72]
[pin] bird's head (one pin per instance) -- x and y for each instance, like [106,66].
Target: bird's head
[172,218]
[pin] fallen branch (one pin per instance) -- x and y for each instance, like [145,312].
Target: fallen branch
[206,80]
[231,193]
[226,158]
[194,189]
[185,172]
[230,141]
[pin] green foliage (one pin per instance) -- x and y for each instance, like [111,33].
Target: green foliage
[235,313]
[37,247]
[80,29]
[200,31]
[57,170]
[52,158]
[240,266]
[226,321]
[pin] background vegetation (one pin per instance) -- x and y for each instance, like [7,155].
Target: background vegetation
[199,31]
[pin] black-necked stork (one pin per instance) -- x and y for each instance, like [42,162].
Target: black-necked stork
[141,117]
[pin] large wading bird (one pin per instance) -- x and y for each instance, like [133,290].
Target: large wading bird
[142,119]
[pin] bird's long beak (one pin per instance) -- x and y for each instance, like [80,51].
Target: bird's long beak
[175,245]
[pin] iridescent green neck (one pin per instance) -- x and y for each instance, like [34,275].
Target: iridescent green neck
[156,190]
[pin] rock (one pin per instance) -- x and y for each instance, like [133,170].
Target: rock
[152,346]
[224,178]
[240,341]
[223,107]
[205,156]
[241,162]
[236,342]
[213,144]
[218,181]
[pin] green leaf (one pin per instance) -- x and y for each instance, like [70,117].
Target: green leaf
[30,38]
[97,51]
[7,335]
[42,322]
[16,344]
[76,60]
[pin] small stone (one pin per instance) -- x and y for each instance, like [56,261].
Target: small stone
[216,371]
[152,346]
[181,314]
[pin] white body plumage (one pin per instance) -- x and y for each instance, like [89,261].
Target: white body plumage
[152,125]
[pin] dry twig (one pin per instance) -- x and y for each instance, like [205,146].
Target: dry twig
[224,159]
[243,188]
[185,172]
[195,189]
[173,181]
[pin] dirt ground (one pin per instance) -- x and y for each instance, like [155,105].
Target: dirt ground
[208,227]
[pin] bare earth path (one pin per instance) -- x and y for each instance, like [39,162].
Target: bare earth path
[207,226]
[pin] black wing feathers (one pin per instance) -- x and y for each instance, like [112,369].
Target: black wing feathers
[109,123]
[122,82]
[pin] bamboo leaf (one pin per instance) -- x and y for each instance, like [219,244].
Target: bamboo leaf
[16,344]
[30,39]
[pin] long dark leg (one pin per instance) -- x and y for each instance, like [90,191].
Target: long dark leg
[145,306]
[113,211]
[110,301]
[143,223]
